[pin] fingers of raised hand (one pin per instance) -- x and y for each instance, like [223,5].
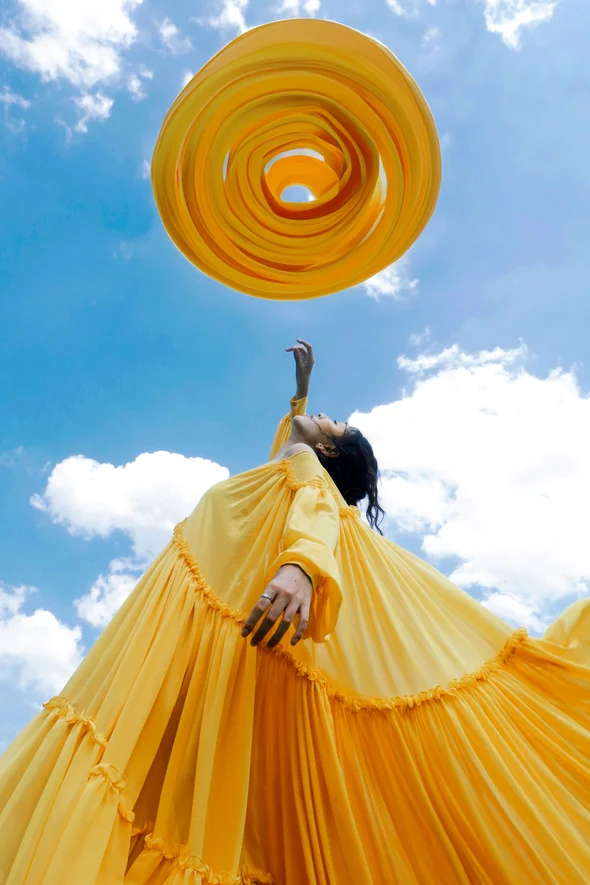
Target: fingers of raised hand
[303,621]
[308,347]
[279,604]
[286,621]
[261,606]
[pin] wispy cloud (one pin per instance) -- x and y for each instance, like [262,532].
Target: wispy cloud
[508,18]
[10,100]
[172,39]
[296,8]
[392,282]
[92,107]
[230,15]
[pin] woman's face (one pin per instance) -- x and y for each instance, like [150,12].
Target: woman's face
[319,430]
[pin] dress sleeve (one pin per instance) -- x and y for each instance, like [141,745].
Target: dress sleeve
[298,407]
[309,541]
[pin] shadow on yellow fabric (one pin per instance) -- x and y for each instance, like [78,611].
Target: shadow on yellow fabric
[413,738]
[306,102]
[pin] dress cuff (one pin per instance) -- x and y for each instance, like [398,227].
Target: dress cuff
[298,406]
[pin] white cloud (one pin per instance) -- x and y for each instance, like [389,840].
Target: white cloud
[296,8]
[407,8]
[230,16]
[392,282]
[144,498]
[146,169]
[8,97]
[109,592]
[172,38]
[37,652]
[78,41]
[186,78]
[516,612]
[429,37]
[95,107]
[453,356]
[417,339]
[10,100]
[397,8]
[135,87]
[508,17]
[488,463]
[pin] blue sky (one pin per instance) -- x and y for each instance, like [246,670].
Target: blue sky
[472,382]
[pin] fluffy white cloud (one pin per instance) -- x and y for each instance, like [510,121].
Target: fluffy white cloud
[95,107]
[109,592]
[78,41]
[393,282]
[37,652]
[145,498]
[508,17]
[173,39]
[230,16]
[489,464]
[515,611]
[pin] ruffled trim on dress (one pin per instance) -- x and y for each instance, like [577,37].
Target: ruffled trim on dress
[182,860]
[62,708]
[348,510]
[116,782]
[401,703]
[295,484]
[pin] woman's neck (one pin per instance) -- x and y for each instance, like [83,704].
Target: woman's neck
[292,447]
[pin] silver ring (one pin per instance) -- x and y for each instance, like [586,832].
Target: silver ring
[266,596]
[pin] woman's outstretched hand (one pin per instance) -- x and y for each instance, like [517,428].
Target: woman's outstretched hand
[291,591]
[304,360]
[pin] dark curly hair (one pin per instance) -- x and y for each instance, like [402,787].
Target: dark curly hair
[356,473]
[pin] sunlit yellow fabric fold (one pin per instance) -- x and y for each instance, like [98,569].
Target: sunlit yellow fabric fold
[306,102]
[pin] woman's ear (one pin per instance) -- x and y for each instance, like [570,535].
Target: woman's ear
[328,451]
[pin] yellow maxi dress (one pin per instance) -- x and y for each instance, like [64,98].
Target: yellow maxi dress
[413,737]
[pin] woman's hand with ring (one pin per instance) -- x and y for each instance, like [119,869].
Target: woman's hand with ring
[290,594]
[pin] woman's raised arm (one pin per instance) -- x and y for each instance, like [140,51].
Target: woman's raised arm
[304,360]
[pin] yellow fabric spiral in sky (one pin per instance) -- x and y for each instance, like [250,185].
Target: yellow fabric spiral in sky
[360,137]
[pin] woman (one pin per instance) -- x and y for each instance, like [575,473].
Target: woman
[402,734]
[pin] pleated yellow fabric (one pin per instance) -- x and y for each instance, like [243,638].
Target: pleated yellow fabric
[362,140]
[421,742]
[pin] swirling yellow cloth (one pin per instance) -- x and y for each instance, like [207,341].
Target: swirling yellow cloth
[361,138]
